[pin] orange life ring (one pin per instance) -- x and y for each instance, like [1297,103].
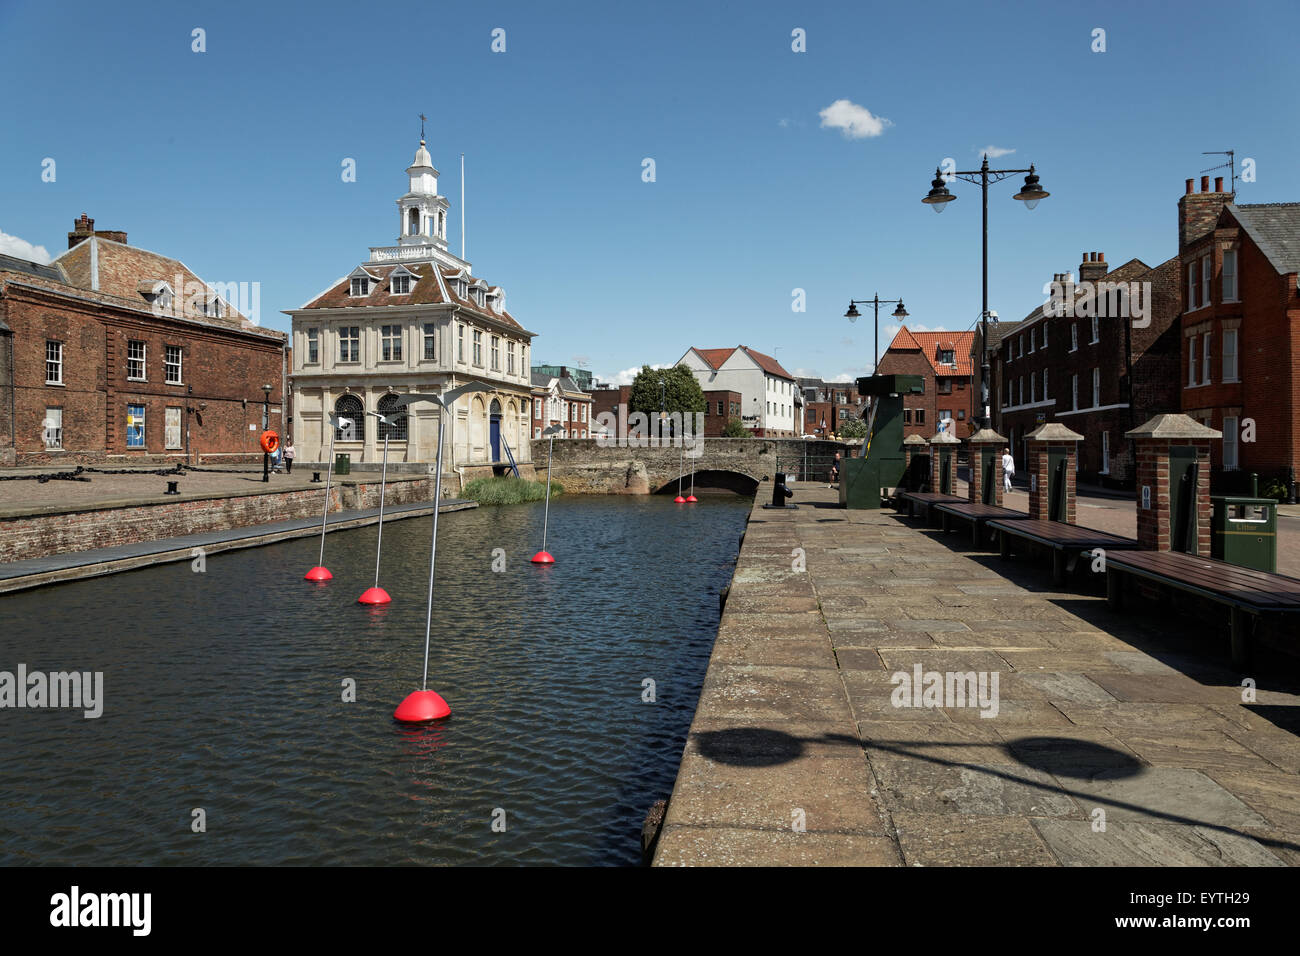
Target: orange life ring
[270,442]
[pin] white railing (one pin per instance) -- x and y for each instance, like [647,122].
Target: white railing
[388,253]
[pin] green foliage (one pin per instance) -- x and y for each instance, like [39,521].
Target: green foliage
[1274,489]
[508,491]
[852,429]
[734,429]
[681,393]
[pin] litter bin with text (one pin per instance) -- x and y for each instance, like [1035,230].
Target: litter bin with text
[342,464]
[1244,532]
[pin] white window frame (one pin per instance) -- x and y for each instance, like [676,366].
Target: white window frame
[346,338]
[168,434]
[313,347]
[1045,395]
[429,335]
[359,287]
[55,432]
[477,339]
[1096,330]
[495,353]
[1230,275]
[510,358]
[1191,360]
[1230,355]
[1074,336]
[1074,392]
[404,280]
[1192,285]
[178,365]
[1206,351]
[142,359]
[144,435]
[460,342]
[1207,273]
[1044,334]
[1096,388]
[53,360]
[390,343]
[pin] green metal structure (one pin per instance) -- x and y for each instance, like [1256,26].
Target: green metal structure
[881,464]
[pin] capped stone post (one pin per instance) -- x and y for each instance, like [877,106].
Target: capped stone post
[1173,484]
[914,446]
[986,447]
[1053,472]
[943,462]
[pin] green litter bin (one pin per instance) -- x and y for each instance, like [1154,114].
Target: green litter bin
[342,464]
[1244,532]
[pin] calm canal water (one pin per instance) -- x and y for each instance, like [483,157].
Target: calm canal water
[223,691]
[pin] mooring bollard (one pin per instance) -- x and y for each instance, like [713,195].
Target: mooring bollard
[780,492]
[315,477]
[171,488]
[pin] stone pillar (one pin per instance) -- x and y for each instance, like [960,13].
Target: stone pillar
[986,442]
[1046,442]
[913,445]
[943,447]
[1165,444]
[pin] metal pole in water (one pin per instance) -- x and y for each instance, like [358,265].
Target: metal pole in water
[546,514]
[433,550]
[383,483]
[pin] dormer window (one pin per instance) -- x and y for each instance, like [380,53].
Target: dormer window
[360,286]
[402,284]
[947,357]
[460,288]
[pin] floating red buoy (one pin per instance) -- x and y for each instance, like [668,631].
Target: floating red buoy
[691,498]
[318,574]
[679,500]
[543,557]
[374,596]
[421,706]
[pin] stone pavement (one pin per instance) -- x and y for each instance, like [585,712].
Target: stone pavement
[1119,739]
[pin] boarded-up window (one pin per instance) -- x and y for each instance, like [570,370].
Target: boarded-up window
[173,429]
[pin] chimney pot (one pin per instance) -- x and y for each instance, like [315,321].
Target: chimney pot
[1205,184]
[1218,184]
[1189,187]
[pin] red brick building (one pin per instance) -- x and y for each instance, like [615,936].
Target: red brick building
[1240,330]
[720,407]
[1101,366]
[559,401]
[943,360]
[115,353]
[828,405]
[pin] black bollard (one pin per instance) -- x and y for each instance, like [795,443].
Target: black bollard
[315,477]
[780,493]
[171,488]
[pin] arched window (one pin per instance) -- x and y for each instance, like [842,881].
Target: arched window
[389,408]
[414,230]
[349,406]
[496,407]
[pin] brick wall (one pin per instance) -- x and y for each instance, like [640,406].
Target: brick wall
[975,488]
[1154,524]
[1040,504]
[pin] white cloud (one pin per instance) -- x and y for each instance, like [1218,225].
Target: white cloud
[783,122]
[22,249]
[993,152]
[806,373]
[856,122]
[626,376]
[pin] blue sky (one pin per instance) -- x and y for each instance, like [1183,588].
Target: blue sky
[230,159]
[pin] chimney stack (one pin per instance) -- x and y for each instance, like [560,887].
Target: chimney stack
[1199,211]
[84,227]
[1093,267]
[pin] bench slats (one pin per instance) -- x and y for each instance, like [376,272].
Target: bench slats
[1245,585]
[1060,535]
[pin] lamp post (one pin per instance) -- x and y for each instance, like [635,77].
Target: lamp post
[1030,194]
[266,423]
[875,301]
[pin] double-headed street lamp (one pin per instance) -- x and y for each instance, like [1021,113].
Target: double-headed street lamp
[1029,194]
[266,423]
[875,301]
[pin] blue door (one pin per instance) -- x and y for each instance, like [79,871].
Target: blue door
[495,430]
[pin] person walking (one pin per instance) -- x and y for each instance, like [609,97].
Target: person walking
[288,455]
[835,469]
[1008,469]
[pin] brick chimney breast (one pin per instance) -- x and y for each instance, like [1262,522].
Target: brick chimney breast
[1093,267]
[1198,212]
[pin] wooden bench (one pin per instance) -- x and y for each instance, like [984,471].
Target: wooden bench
[1246,592]
[922,500]
[974,512]
[1066,541]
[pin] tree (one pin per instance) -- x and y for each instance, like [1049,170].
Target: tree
[853,429]
[681,391]
[734,429]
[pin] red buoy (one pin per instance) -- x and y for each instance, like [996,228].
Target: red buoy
[421,706]
[543,557]
[691,498]
[679,500]
[374,596]
[318,573]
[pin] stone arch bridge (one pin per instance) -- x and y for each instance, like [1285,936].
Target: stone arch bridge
[641,467]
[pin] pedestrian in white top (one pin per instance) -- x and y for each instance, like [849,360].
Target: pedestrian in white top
[1008,469]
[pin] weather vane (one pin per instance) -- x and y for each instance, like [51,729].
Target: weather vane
[422,119]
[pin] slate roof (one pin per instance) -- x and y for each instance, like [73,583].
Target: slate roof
[1275,228]
[11,264]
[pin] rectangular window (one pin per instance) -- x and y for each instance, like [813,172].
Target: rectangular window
[401,284]
[135,426]
[313,346]
[1074,392]
[1074,337]
[945,385]
[1205,279]
[1191,360]
[1229,441]
[907,416]
[920,416]
[1191,286]
[1033,387]
[53,363]
[1044,335]
[510,358]
[1020,353]
[1045,395]
[1105,453]
[1022,391]
[53,431]
[496,353]
[350,343]
[720,412]
[430,341]
[390,343]
[460,343]
[1096,388]
[1096,330]
[135,353]
[1033,340]
[945,414]
[360,286]
[1205,359]
[172,364]
[172,431]
[478,348]
[1230,355]
[1230,275]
